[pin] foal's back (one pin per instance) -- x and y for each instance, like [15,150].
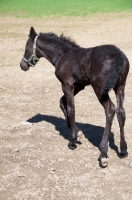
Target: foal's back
[94,66]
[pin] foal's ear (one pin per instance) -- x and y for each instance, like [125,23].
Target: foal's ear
[32,33]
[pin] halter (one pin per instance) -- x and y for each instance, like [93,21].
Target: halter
[33,57]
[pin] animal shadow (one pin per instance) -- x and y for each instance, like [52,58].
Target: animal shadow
[91,132]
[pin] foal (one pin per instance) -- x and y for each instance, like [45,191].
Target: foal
[103,67]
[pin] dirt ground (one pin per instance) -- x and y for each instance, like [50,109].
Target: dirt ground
[35,162]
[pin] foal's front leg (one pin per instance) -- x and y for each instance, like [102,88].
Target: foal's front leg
[63,106]
[69,113]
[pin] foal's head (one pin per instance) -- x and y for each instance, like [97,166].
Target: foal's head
[30,58]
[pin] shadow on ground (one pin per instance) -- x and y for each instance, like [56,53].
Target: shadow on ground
[91,132]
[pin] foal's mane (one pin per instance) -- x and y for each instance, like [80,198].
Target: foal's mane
[66,42]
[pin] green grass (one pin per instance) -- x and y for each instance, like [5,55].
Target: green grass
[39,8]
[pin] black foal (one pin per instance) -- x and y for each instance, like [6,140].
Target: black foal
[103,67]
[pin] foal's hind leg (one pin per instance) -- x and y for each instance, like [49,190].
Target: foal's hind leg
[121,119]
[109,112]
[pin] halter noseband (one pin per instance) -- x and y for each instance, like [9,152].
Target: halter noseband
[33,57]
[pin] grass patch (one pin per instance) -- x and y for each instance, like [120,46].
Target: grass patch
[40,8]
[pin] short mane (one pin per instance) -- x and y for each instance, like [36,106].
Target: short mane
[61,39]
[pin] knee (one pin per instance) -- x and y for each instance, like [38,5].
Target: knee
[70,111]
[111,111]
[120,112]
[121,115]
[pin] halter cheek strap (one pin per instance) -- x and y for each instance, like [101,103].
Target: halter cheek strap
[33,57]
[34,45]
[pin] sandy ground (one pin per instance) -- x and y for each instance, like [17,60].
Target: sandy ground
[35,162]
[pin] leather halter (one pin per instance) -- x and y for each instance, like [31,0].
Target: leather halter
[33,57]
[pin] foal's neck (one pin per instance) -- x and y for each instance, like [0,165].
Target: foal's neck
[54,48]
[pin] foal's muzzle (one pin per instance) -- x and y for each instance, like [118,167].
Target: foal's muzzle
[24,66]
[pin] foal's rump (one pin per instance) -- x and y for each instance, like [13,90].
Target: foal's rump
[109,65]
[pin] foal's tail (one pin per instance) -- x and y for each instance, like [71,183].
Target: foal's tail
[114,74]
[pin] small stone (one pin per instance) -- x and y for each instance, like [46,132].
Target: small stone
[80,134]
[47,90]
[130,165]
[21,175]
[53,170]
[16,150]
[25,123]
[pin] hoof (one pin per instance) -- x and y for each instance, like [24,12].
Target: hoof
[123,154]
[80,134]
[72,146]
[104,162]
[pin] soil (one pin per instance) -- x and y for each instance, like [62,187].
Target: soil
[35,162]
